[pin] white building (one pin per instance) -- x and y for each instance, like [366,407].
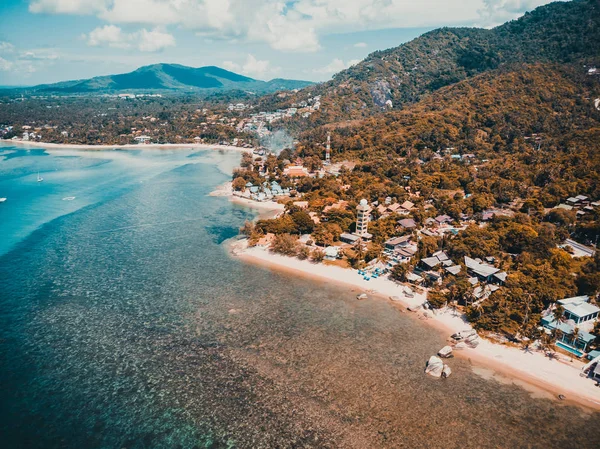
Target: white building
[362,220]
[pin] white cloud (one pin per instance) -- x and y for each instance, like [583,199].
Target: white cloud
[360,45]
[495,12]
[231,66]
[68,6]
[251,67]
[41,54]
[337,65]
[143,40]
[5,65]
[154,40]
[6,47]
[286,25]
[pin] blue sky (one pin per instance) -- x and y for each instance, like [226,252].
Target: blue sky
[45,41]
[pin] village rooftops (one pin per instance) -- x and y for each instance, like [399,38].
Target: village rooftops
[339,205]
[501,276]
[481,269]
[436,259]
[349,238]
[441,219]
[454,269]
[397,241]
[564,206]
[295,171]
[407,223]
[407,205]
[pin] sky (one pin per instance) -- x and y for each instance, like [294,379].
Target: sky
[44,41]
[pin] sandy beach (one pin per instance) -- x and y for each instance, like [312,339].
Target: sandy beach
[530,369]
[155,146]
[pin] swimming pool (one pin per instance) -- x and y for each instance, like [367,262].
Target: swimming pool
[560,344]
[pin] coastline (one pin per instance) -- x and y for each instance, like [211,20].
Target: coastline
[265,209]
[155,146]
[531,370]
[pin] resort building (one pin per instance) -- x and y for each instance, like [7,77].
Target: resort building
[362,220]
[579,309]
[567,340]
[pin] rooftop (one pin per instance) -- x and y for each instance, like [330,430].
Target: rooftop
[480,268]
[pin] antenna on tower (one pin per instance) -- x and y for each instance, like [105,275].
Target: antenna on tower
[328,149]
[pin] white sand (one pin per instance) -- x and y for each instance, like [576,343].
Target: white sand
[553,375]
[147,146]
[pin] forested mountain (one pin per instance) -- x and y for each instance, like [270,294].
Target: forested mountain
[537,125]
[561,32]
[173,77]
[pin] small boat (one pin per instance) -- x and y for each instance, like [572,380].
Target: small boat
[2,200]
[68,198]
[445,352]
[39,178]
[361,296]
[408,292]
[446,371]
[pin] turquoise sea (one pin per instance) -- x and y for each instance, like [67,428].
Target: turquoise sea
[124,323]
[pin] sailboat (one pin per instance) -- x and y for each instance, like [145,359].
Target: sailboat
[39,178]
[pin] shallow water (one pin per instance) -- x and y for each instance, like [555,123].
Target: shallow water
[124,323]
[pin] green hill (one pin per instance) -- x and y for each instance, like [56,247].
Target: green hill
[173,77]
[561,32]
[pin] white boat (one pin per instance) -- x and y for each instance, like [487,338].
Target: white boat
[361,296]
[39,178]
[2,200]
[68,198]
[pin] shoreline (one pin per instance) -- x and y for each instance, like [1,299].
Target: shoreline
[265,209]
[155,146]
[531,370]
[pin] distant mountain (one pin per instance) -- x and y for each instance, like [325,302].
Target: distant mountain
[560,32]
[173,77]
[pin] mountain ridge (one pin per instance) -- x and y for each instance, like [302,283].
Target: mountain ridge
[559,32]
[174,78]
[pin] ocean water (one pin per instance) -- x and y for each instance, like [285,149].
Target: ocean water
[124,323]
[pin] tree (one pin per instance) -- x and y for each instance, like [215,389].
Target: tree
[399,272]
[247,160]
[304,223]
[248,229]
[436,299]
[304,252]
[238,184]
[318,255]
[285,244]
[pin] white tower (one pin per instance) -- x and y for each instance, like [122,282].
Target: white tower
[328,150]
[362,220]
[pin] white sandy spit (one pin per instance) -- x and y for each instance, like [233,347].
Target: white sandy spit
[558,376]
[147,146]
